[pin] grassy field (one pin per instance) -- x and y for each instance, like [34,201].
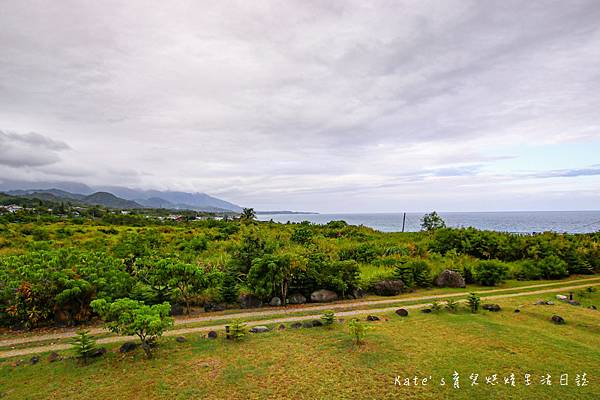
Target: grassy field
[323,363]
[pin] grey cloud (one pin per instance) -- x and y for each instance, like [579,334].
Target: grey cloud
[29,150]
[569,173]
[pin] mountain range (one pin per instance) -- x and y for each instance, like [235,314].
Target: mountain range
[117,196]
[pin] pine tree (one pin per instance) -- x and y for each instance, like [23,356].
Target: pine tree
[84,345]
[229,291]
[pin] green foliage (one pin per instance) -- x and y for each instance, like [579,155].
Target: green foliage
[131,317]
[452,305]
[328,318]
[357,330]
[248,215]
[436,306]
[83,345]
[237,330]
[302,234]
[271,274]
[432,221]
[414,273]
[229,290]
[474,302]
[490,272]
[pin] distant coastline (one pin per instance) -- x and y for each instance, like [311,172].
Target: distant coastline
[285,212]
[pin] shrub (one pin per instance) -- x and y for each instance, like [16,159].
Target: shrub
[414,273]
[436,306]
[552,267]
[328,318]
[474,302]
[451,305]
[131,317]
[490,272]
[358,331]
[83,345]
[237,330]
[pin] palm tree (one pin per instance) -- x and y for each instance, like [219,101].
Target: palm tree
[248,214]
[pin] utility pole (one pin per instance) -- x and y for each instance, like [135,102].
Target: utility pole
[403,221]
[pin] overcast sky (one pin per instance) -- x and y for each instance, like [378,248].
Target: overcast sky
[309,105]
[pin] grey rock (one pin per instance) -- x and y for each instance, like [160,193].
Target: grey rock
[573,302]
[259,329]
[389,287]
[296,325]
[180,339]
[517,311]
[358,293]
[212,307]
[281,327]
[53,357]
[372,318]
[34,360]
[316,322]
[323,296]
[403,312]
[250,301]
[491,307]
[275,302]
[127,347]
[99,352]
[592,307]
[212,335]
[426,311]
[177,309]
[296,298]
[448,278]
[557,319]
[307,324]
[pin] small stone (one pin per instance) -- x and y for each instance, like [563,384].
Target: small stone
[316,322]
[259,329]
[275,302]
[127,347]
[54,356]
[18,362]
[180,339]
[98,352]
[402,312]
[550,303]
[34,360]
[561,297]
[296,325]
[281,327]
[426,310]
[573,302]
[517,311]
[592,307]
[491,307]
[372,318]
[557,319]
[212,335]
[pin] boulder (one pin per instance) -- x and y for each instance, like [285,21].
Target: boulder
[296,298]
[557,319]
[317,322]
[389,287]
[180,339]
[34,360]
[99,352]
[448,278]
[212,335]
[426,311]
[275,302]
[517,311]
[177,309]
[54,356]
[323,296]
[307,324]
[358,293]
[543,303]
[491,307]
[127,347]
[250,301]
[372,318]
[296,325]
[403,312]
[259,329]
[211,307]
[281,327]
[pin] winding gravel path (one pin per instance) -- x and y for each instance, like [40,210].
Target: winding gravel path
[279,311]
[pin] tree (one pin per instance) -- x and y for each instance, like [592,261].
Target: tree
[229,290]
[248,215]
[432,221]
[84,345]
[131,317]
[271,274]
[188,279]
[358,331]
[474,301]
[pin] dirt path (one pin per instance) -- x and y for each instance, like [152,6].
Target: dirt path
[182,331]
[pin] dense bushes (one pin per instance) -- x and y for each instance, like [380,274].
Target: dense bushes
[490,272]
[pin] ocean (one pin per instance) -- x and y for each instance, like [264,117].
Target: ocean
[510,221]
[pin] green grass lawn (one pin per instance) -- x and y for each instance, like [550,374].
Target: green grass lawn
[321,363]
